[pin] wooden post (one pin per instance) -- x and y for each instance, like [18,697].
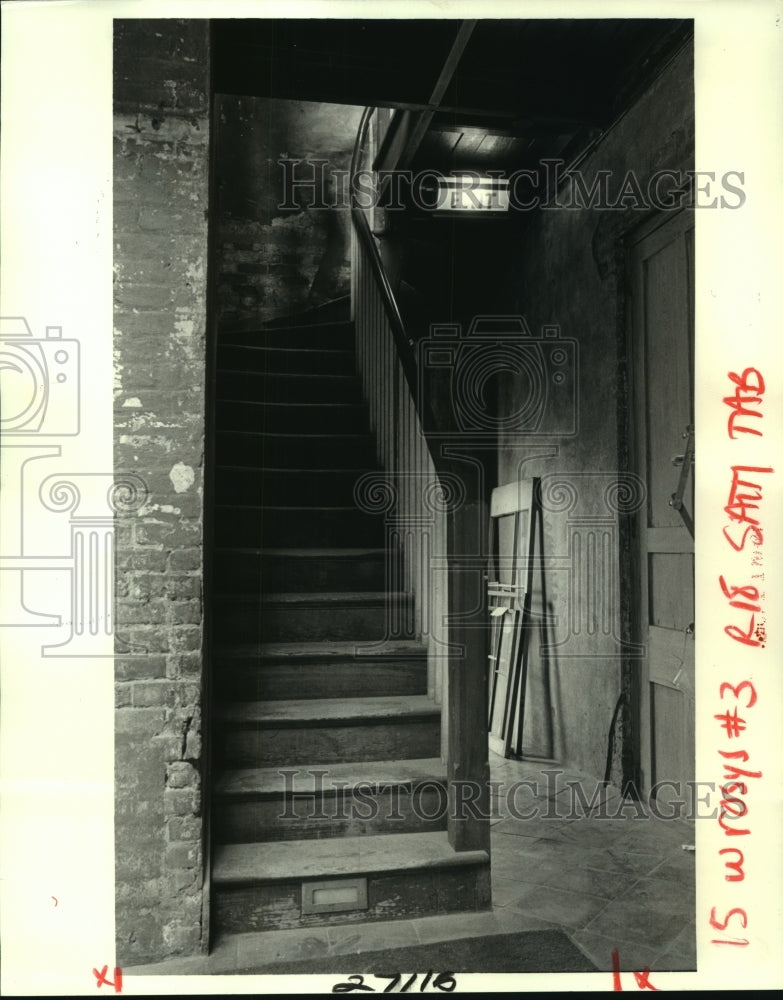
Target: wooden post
[468,758]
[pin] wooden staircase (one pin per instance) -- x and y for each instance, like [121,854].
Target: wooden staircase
[329,792]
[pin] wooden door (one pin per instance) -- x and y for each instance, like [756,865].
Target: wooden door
[662,410]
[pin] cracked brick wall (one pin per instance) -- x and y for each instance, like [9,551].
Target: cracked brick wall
[161,158]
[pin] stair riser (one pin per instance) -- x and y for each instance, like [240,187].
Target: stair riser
[251,528]
[285,487]
[307,818]
[338,337]
[294,452]
[289,362]
[290,623]
[287,388]
[246,572]
[331,315]
[254,416]
[351,679]
[395,740]
[398,896]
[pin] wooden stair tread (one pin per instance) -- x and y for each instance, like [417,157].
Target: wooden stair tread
[319,598]
[287,405]
[295,860]
[330,710]
[289,350]
[288,507]
[299,436]
[269,375]
[285,508]
[356,472]
[333,509]
[388,649]
[306,553]
[281,324]
[269,781]
[337,597]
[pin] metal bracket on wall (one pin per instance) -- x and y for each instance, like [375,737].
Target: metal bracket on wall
[684,462]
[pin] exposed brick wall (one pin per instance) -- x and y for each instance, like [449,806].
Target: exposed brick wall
[275,262]
[161,150]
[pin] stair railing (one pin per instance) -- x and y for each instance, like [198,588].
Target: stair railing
[409,492]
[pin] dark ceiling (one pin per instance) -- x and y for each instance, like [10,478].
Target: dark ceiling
[488,93]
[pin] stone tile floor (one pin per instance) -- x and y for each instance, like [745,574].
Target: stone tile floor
[592,867]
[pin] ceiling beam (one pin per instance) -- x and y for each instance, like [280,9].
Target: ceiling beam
[444,79]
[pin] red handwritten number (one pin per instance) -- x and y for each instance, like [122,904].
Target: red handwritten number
[749,593]
[103,980]
[616,984]
[736,688]
[722,925]
[642,978]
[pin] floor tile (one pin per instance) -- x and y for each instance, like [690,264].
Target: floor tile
[675,961]
[534,851]
[372,937]
[569,909]
[458,925]
[512,921]
[632,956]
[556,783]
[678,870]
[542,872]
[572,805]
[591,832]
[681,956]
[517,865]
[537,828]
[504,891]
[656,835]
[649,913]
[621,862]
[591,881]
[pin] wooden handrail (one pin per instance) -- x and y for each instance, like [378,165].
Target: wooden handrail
[405,352]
